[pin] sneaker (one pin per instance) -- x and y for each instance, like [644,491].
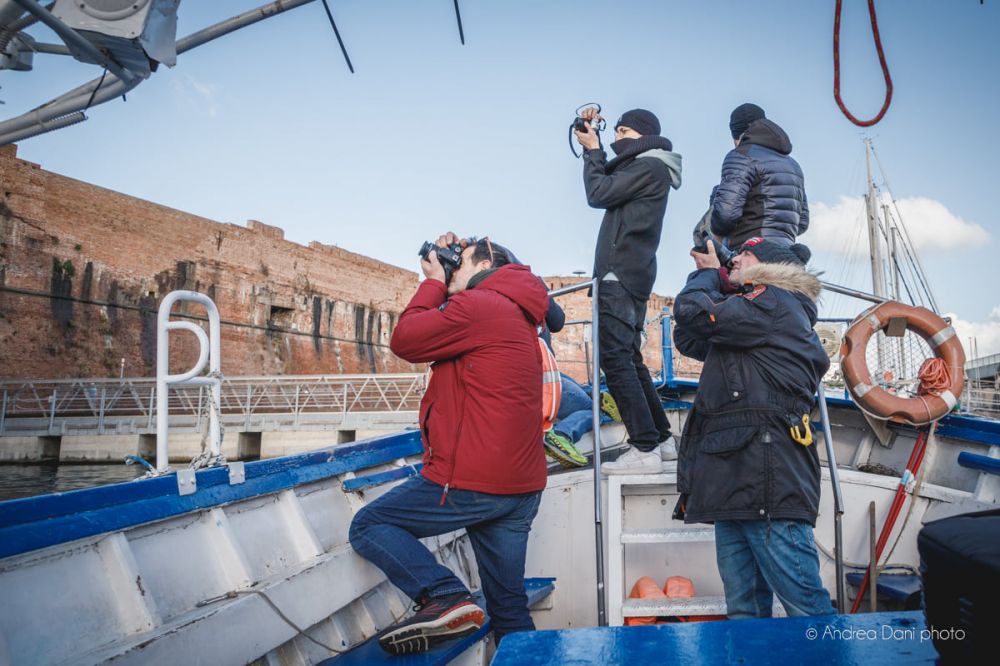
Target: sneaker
[635,461]
[668,448]
[560,448]
[437,620]
[610,407]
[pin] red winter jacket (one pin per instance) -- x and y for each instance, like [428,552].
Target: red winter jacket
[481,417]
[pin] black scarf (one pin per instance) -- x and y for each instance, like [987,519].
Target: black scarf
[627,149]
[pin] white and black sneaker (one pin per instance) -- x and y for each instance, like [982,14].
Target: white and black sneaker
[436,620]
[668,449]
[634,461]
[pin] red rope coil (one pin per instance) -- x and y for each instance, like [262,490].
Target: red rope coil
[881,60]
[934,377]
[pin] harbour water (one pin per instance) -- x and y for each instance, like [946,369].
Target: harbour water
[27,480]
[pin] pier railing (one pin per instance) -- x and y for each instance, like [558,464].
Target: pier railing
[109,406]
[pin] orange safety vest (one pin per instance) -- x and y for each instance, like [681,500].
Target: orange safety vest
[551,386]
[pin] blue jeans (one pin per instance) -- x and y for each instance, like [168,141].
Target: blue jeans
[576,417]
[758,557]
[386,533]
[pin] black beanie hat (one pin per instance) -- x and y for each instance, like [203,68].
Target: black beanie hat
[641,120]
[742,116]
[770,252]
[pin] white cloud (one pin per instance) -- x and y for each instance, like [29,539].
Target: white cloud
[841,228]
[979,338]
[195,95]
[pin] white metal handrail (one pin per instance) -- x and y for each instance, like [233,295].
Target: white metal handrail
[208,353]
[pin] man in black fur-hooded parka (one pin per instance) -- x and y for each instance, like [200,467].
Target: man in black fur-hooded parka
[747,459]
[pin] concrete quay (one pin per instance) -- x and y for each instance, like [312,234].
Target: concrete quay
[182,447]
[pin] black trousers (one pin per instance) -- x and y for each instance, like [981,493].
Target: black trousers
[620,334]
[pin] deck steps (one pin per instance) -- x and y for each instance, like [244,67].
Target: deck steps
[674,606]
[669,535]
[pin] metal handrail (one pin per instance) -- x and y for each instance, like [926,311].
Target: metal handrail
[838,498]
[208,352]
[595,398]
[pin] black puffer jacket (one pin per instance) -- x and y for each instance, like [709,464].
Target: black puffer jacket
[763,362]
[762,192]
[633,189]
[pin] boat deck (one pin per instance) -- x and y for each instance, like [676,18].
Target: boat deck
[869,639]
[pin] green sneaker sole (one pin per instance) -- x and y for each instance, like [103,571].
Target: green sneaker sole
[610,407]
[564,457]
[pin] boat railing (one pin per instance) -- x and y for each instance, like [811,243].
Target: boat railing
[208,353]
[595,395]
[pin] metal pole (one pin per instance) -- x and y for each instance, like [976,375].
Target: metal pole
[863,295]
[3,411]
[667,352]
[595,398]
[595,395]
[52,411]
[838,498]
[872,557]
[100,415]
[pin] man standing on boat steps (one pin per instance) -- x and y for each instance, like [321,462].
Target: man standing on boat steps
[748,461]
[632,189]
[481,427]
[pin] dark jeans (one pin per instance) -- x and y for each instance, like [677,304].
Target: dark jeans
[758,557]
[387,533]
[621,324]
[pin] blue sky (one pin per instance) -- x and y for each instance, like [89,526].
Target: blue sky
[429,135]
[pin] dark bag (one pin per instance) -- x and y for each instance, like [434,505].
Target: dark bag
[960,568]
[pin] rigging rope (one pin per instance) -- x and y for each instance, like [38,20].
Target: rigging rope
[881,60]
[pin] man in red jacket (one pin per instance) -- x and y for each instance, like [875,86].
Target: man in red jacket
[481,426]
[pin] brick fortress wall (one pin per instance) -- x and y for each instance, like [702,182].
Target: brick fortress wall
[83,269]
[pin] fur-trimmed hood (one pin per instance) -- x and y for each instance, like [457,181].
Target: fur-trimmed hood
[790,277]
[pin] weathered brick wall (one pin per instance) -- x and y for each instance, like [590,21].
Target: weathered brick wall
[106,260]
[83,269]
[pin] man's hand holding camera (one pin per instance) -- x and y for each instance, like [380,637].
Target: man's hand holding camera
[430,263]
[706,259]
[588,139]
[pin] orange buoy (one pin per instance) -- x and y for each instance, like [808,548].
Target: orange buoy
[934,400]
[644,588]
[679,587]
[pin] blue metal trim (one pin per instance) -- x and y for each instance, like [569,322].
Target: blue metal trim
[981,463]
[372,480]
[970,429]
[901,587]
[369,652]
[36,522]
[666,349]
[869,639]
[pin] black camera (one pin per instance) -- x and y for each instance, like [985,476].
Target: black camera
[450,257]
[725,255]
[580,125]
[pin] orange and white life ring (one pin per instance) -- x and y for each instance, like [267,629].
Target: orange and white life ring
[872,398]
[551,386]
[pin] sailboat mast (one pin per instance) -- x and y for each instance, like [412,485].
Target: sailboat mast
[874,242]
[875,248]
